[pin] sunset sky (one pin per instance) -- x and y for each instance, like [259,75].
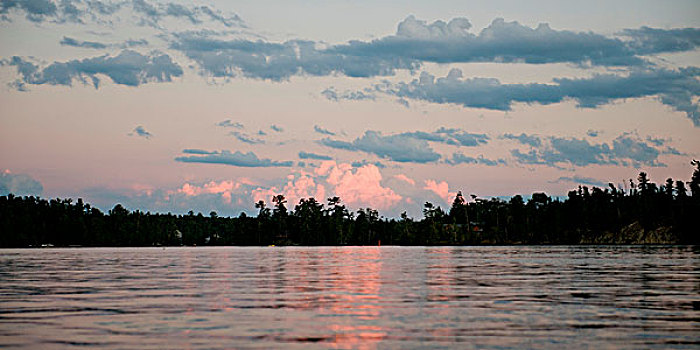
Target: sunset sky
[171,106]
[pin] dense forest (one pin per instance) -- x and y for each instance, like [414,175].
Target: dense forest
[646,213]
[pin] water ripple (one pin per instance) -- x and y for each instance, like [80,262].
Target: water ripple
[351,297]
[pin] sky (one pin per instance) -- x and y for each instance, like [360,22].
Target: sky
[171,106]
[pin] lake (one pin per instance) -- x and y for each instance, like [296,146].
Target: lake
[623,297]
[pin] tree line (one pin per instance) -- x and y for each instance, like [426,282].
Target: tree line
[654,213]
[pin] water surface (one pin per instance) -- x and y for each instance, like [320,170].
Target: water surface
[351,297]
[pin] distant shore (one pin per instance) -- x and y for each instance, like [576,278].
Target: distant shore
[646,214]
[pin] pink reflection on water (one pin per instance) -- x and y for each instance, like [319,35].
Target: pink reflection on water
[360,296]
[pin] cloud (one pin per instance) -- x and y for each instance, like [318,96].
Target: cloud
[225,188]
[409,146]
[333,95]
[297,187]
[277,61]
[197,151]
[626,149]
[531,140]
[323,131]
[361,163]
[593,133]
[140,131]
[459,158]
[230,124]
[452,136]
[19,184]
[580,180]
[68,41]
[399,148]
[675,88]
[35,10]
[226,197]
[673,151]
[128,68]
[405,179]
[501,41]
[415,42]
[629,146]
[276,128]
[441,189]
[143,13]
[645,40]
[358,187]
[235,159]
[243,137]
[306,155]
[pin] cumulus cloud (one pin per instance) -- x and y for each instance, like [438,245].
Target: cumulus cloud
[298,186]
[68,41]
[593,133]
[333,95]
[626,149]
[676,88]
[197,151]
[143,12]
[531,140]
[224,188]
[141,132]
[323,131]
[227,157]
[19,184]
[358,187]
[245,138]
[450,136]
[405,179]
[361,163]
[459,158]
[226,197]
[230,124]
[35,11]
[409,146]
[277,61]
[580,180]
[307,155]
[647,40]
[441,189]
[399,148]
[501,41]
[417,41]
[127,68]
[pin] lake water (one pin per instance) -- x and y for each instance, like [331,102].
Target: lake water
[351,297]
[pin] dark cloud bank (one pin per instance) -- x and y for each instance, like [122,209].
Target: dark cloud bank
[127,68]
[19,184]
[414,43]
[627,149]
[237,158]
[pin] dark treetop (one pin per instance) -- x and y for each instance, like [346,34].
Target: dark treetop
[646,213]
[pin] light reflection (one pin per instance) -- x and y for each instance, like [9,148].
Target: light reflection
[346,296]
[359,287]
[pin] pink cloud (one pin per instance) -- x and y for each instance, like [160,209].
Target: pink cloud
[357,187]
[297,187]
[405,178]
[441,189]
[225,188]
[362,187]
[325,168]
